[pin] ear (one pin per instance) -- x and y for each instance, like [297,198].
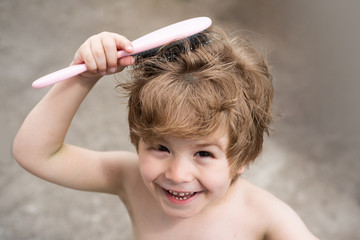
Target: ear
[241,170]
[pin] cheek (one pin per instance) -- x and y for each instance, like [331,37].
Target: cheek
[217,179]
[148,168]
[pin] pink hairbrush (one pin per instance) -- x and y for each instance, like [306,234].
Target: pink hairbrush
[145,43]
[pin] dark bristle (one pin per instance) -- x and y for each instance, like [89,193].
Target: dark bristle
[170,51]
[147,54]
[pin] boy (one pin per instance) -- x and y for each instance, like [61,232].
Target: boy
[197,114]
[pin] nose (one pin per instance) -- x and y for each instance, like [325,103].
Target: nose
[179,170]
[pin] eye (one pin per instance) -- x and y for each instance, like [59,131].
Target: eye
[204,154]
[161,148]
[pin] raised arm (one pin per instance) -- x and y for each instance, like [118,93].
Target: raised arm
[39,145]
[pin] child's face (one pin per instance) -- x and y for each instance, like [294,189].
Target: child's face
[185,176]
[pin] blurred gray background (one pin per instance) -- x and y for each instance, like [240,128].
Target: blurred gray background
[311,160]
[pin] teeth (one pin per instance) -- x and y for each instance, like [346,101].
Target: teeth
[183,198]
[173,193]
[181,195]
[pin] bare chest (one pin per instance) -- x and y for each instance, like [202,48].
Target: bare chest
[218,229]
[150,223]
[225,221]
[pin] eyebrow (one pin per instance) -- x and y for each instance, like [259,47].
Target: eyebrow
[202,143]
[210,144]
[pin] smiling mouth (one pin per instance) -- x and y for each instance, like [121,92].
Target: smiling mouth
[179,196]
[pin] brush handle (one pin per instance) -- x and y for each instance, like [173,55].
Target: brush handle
[149,41]
[65,73]
[59,75]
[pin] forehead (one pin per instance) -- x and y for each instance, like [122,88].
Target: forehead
[218,139]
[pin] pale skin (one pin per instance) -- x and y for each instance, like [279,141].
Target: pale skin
[173,188]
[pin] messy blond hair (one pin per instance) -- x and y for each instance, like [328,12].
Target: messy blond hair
[190,93]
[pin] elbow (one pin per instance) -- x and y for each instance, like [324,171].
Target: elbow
[19,152]
[16,152]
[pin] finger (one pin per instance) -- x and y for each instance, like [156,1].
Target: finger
[110,49]
[84,55]
[98,54]
[126,61]
[78,59]
[122,43]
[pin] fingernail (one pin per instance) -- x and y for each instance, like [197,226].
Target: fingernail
[129,48]
[132,60]
[102,73]
[112,70]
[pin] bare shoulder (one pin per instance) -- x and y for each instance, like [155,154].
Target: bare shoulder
[280,221]
[119,169]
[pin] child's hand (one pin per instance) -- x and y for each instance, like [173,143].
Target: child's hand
[99,53]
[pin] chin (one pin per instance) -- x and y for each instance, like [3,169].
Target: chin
[181,213]
[181,209]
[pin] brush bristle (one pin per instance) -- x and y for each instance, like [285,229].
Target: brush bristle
[170,51]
